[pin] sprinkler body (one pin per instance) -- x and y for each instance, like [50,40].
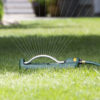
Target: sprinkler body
[71,62]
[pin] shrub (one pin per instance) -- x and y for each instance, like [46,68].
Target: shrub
[45,6]
[48,2]
[1,10]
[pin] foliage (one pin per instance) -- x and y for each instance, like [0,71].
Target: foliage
[39,1]
[47,2]
[1,10]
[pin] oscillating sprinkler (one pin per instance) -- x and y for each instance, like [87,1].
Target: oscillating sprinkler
[69,63]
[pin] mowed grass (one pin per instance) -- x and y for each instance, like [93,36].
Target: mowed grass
[61,38]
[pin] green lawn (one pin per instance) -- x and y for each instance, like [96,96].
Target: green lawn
[61,38]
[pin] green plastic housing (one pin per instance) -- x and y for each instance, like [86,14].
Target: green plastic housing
[69,63]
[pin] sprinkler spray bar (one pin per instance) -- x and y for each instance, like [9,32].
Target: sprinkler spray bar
[70,62]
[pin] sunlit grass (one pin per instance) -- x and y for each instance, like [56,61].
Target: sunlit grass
[50,27]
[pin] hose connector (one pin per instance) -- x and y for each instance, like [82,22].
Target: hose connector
[82,62]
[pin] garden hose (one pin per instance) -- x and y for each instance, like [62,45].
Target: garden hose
[90,62]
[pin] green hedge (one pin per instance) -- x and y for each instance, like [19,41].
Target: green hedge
[1,10]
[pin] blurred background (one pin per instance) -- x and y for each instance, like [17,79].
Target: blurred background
[29,9]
